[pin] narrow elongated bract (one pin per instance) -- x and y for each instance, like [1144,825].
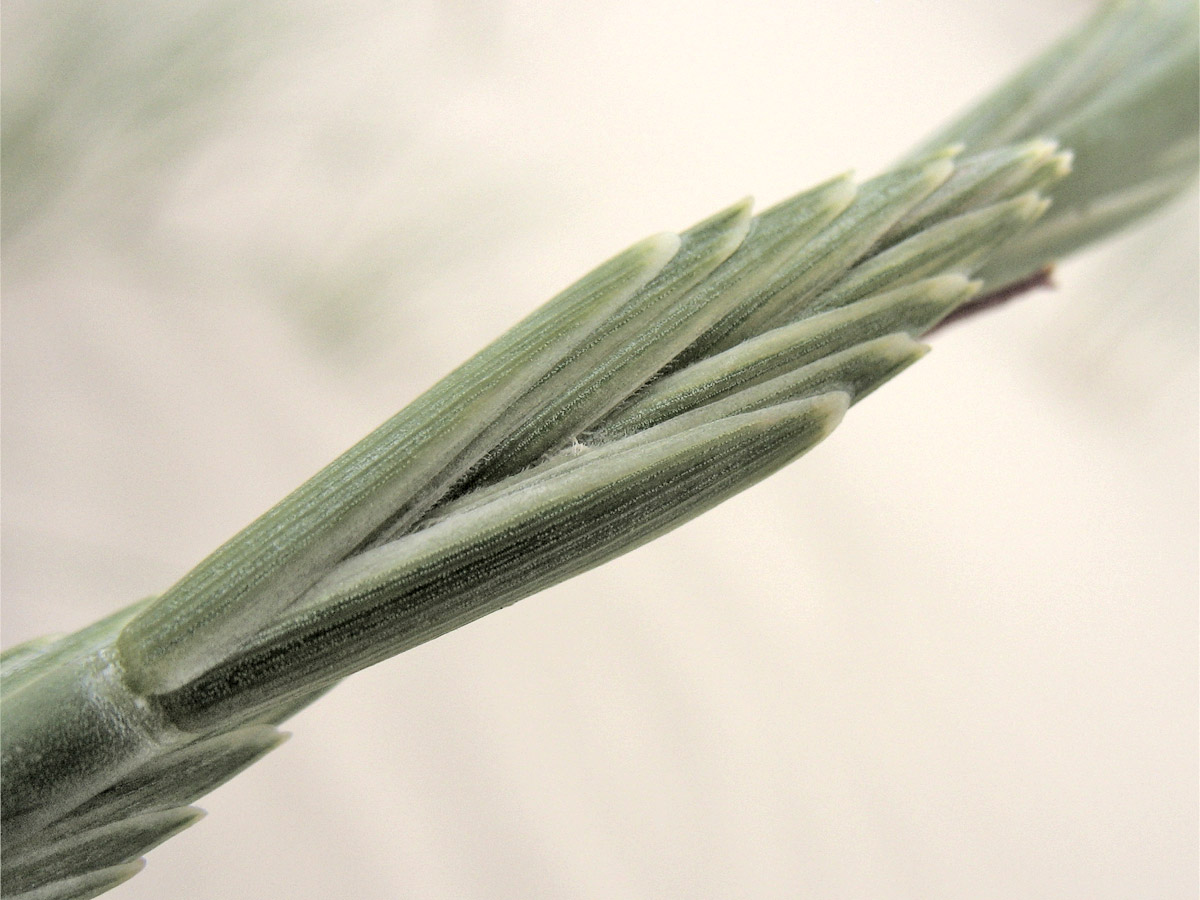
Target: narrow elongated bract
[676,374]
[404,465]
[410,590]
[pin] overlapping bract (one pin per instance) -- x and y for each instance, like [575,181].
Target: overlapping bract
[673,376]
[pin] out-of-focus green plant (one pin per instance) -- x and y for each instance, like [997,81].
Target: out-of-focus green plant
[674,375]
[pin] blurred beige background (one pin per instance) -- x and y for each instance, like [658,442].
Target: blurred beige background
[951,653]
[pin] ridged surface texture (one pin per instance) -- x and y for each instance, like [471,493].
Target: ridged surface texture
[673,376]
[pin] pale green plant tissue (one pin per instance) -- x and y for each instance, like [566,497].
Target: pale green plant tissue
[1027,626]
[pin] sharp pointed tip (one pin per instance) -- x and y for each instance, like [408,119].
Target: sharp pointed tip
[825,409]
[949,285]
[939,171]
[950,151]
[1040,149]
[741,212]
[842,192]
[831,407]
[658,249]
[1032,205]
[1064,163]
